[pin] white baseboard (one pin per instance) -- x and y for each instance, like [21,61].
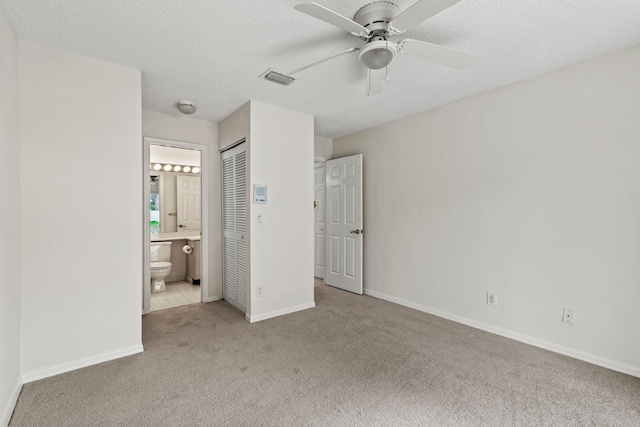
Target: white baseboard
[38,374]
[556,348]
[11,404]
[276,313]
[213,298]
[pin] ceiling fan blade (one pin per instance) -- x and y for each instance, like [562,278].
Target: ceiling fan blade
[418,12]
[333,18]
[436,53]
[335,55]
[375,79]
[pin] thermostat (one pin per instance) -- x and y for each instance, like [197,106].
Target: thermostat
[260,194]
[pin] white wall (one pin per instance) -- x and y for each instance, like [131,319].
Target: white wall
[183,128]
[235,127]
[10,378]
[171,155]
[281,250]
[322,147]
[530,191]
[81,149]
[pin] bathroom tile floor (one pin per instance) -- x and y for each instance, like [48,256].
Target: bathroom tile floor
[177,294]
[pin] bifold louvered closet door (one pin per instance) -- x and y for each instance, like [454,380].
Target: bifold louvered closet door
[234,226]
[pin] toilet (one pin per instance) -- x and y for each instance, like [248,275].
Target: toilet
[160,265]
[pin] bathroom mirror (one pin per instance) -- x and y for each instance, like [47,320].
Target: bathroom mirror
[166,214]
[172,179]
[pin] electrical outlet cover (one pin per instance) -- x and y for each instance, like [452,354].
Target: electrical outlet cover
[567,315]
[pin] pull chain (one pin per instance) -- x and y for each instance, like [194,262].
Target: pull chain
[386,66]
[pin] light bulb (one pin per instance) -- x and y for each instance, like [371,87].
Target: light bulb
[187,168]
[195,169]
[176,168]
[167,167]
[157,167]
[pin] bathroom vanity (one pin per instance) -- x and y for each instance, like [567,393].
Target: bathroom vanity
[180,235]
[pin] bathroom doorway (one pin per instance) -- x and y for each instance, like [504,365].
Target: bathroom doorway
[177,215]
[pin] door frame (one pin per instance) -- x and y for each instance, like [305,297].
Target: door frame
[146,229]
[320,162]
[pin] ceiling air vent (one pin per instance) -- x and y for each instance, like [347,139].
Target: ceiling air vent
[274,76]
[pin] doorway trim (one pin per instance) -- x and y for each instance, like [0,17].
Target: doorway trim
[319,233]
[146,229]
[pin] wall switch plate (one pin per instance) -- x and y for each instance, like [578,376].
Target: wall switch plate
[567,315]
[492,299]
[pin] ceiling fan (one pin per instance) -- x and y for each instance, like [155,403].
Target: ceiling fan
[376,23]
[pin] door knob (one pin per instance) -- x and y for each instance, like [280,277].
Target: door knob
[355,231]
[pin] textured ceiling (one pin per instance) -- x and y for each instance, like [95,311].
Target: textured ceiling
[212,51]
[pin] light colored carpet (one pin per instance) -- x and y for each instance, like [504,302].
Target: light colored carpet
[352,361]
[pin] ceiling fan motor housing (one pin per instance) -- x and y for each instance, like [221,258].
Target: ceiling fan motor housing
[375,17]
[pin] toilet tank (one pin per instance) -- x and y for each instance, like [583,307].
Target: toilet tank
[160,251]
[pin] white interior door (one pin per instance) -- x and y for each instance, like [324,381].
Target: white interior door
[189,202]
[344,223]
[319,221]
[234,226]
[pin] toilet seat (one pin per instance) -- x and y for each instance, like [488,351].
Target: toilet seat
[160,265]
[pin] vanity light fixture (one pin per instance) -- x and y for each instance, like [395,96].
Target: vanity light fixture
[174,168]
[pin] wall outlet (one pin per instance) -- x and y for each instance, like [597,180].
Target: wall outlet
[259,291]
[567,315]
[492,299]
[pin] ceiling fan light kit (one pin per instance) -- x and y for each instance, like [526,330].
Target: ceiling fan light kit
[375,23]
[378,54]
